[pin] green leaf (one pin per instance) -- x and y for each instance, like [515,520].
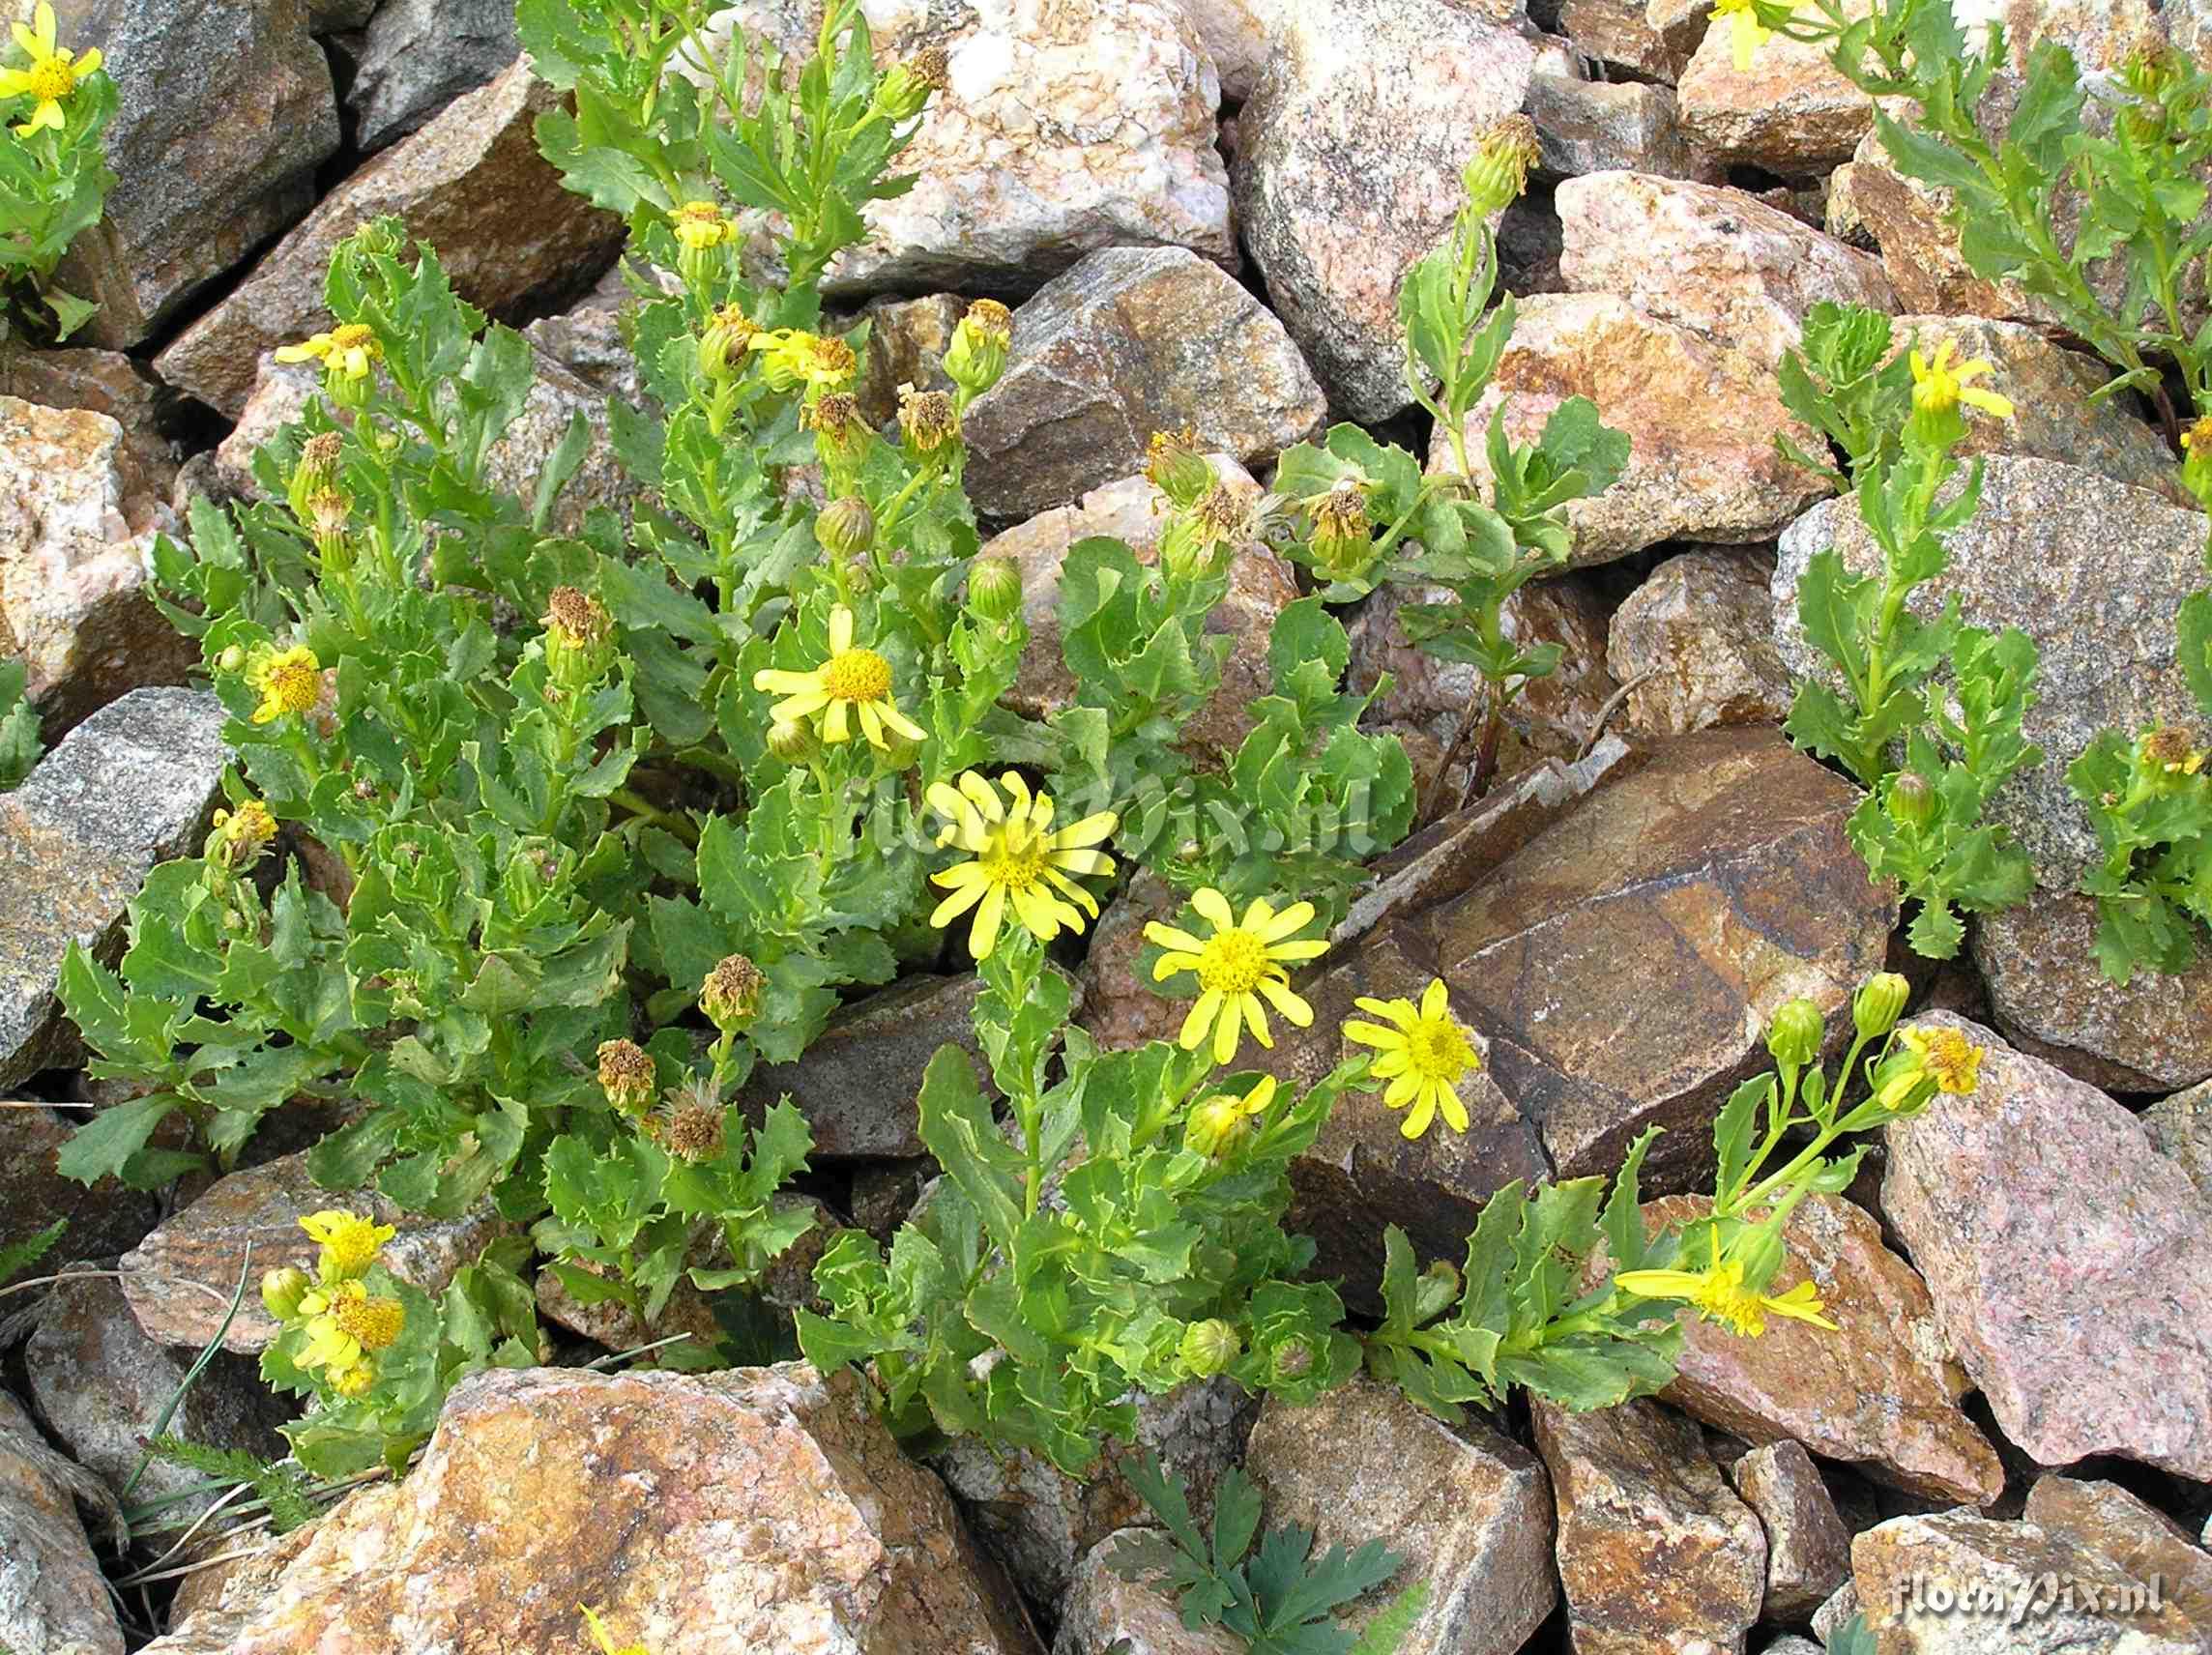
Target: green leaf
[106,1144]
[957,1127]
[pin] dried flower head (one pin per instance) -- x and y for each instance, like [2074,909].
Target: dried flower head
[1503,153]
[1224,517]
[932,66]
[690,1130]
[628,1076]
[319,458]
[928,418]
[2171,749]
[834,416]
[579,620]
[732,991]
[991,319]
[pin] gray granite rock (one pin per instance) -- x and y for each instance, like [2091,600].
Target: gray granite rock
[2180,1129]
[418,55]
[52,1598]
[1808,1549]
[1105,1614]
[129,787]
[1600,125]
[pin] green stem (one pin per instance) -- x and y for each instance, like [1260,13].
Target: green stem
[647,811]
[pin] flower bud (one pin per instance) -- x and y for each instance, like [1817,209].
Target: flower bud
[994,587]
[846,528]
[1500,171]
[232,660]
[1795,1035]
[724,347]
[1911,802]
[730,993]
[1343,536]
[579,634]
[1760,1251]
[1293,1358]
[1207,1348]
[840,435]
[281,1291]
[1176,468]
[1216,1127]
[977,354]
[1879,1005]
[1437,1290]
[794,744]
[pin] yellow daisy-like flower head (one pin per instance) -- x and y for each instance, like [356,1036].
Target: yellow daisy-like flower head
[51,74]
[348,351]
[241,836]
[791,355]
[1022,861]
[2170,751]
[1425,1054]
[851,680]
[290,682]
[355,1381]
[1939,387]
[1944,1055]
[345,1324]
[1748,35]
[349,1241]
[700,225]
[1235,967]
[1719,1294]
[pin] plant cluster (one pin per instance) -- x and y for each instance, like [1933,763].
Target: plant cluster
[19,745]
[1277,1598]
[54,177]
[1950,695]
[2089,195]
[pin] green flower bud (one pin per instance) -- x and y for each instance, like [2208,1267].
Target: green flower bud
[232,660]
[1795,1035]
[1209,1348]
[977,356]
[1911,802]
[1176,468]
[1879,1005]
[1500,171]
[1216,1127]
[792,744]
[904,92]
[1758,1250]
[283,1290]
[725,350]
[1436,1292]
[1293,1358]
[994,587]
[846,528]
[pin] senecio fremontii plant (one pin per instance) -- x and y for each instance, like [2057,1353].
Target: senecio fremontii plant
[2087,200]
[552,820]
[54,177]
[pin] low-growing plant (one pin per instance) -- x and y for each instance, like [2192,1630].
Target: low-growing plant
[2152,806]
[282,1488]
[19,745]
[1929,720]
[1275,1598]
[16,1257]
[54,177]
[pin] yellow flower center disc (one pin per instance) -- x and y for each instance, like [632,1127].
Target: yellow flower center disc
[352,335]
[858,675]
[294,686]
[1017,867]
[1232,963]
[372,1323]
[1439,1052]
[51,80]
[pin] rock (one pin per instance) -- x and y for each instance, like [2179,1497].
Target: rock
[129,787]
[2070,1263]
[420,55]
[1723,857]
[2050,997]
[2090,569]
[856,1083]
[587,339]
[751,1509]
[1551,719]
[1808,1549]
[1910,224]
[1700,420]
[101,1385]
[1121,1010]
[1467,1508]
[1792,1645]
[2180,1129]
[1261,585]
[470,184]
[1710,258]
[1105,1614]
[1680,23]
[1067,129]
[196,195]
[1446,858]
[1238,35]
[2145,1543]
[2053,416]
[1881,1396]
[52,1598]
[1830,1618]
[1656,1555]
[1041,1522]
[1619,33]
[1348,171]
[1956,1583]
[1790,112]
[1700,636]
[109,383]
[104,1219]
[179,1280]
[1128,342]
[72,573]
[1603,126]
[907,342]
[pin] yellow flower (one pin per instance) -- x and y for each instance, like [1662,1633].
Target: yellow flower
[1943,1055]
[1425,1055]
[859,680]
[1939,387]
[345,1324]
[1020,860]
[290,682]
[350,1243]
[1220,1123]
[700,225]
[348,350]
[1236,966]
[1750,33]
[52,74]
[1719,1294]
[2169,750]
[245,834]
[2196,441]
[604,1639]
[355,1381]
[792,356]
